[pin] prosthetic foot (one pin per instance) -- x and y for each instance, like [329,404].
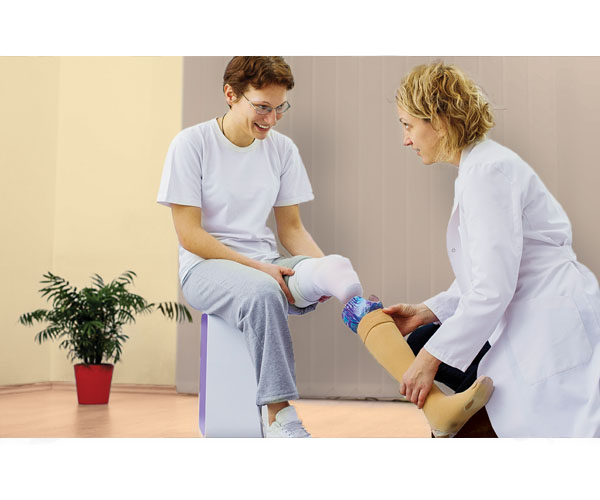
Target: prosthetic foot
[446,414]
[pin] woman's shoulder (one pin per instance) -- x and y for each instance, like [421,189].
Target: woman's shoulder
[490,155]
[490,151]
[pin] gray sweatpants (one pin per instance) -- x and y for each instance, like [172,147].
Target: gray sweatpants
[253,302]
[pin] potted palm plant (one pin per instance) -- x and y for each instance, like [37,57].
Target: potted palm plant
[89,323]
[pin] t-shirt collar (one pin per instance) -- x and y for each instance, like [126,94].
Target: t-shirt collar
[227,143]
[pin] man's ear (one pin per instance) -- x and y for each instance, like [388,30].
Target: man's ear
[229,93]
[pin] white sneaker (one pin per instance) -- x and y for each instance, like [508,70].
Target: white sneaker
[286,424]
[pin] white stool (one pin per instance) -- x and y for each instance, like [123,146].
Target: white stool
[227,397]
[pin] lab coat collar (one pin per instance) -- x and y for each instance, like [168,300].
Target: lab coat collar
[465,153]
[463,160]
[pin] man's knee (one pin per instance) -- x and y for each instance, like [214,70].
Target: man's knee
[264,295]
[333,262]
[337,261]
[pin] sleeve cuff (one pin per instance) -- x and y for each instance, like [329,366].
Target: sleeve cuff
[294,201]
[442,306]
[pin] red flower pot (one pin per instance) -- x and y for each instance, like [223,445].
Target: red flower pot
[93,383]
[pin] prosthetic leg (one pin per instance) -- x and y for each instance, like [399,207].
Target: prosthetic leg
[446,414]
[334,276]
[331,276]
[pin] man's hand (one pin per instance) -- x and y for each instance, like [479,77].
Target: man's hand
[277,272]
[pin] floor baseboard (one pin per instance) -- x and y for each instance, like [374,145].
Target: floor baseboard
[17,388]
[70,386]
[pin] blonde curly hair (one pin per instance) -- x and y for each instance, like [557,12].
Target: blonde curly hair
[444,96]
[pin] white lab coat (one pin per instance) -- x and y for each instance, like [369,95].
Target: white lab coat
[519,286]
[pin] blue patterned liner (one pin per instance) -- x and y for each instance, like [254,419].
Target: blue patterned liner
[356,308]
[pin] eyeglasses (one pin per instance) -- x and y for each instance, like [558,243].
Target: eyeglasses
[265,110]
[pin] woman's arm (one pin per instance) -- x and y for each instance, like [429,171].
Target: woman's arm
[293,235]
[491,216]
[192,237]
[418,379]
[491,220]
[444,304]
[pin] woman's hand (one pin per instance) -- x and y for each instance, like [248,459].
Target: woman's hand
[277,272]
[408,317]
[418,379]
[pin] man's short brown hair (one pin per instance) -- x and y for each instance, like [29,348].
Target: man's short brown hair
[258,71]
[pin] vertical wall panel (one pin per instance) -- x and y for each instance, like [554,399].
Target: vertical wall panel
[542,120]
[516,85]
[369,200]
[347,192]
[323,125]
[578,130]
[395,212]
[377,204]
[395,215]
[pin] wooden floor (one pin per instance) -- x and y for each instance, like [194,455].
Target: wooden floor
[55,413]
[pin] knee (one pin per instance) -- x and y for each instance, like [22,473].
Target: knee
[264,296]
[336,262]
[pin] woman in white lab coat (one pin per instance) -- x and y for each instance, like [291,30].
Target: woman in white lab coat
[518,286]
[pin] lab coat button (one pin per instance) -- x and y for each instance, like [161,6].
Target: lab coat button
[453,250]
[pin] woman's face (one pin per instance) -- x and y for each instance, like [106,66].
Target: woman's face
[420,136]
[248,122]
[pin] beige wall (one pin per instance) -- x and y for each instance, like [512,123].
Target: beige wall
[105,139]
[379,205]
[28,134]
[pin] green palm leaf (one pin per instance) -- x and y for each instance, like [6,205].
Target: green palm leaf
[89,321]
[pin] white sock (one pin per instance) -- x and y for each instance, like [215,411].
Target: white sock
[331,276]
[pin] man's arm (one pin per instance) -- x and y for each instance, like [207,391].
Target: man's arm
[192,237]
[293,235]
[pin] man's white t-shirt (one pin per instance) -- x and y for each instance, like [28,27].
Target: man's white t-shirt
[235,187]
